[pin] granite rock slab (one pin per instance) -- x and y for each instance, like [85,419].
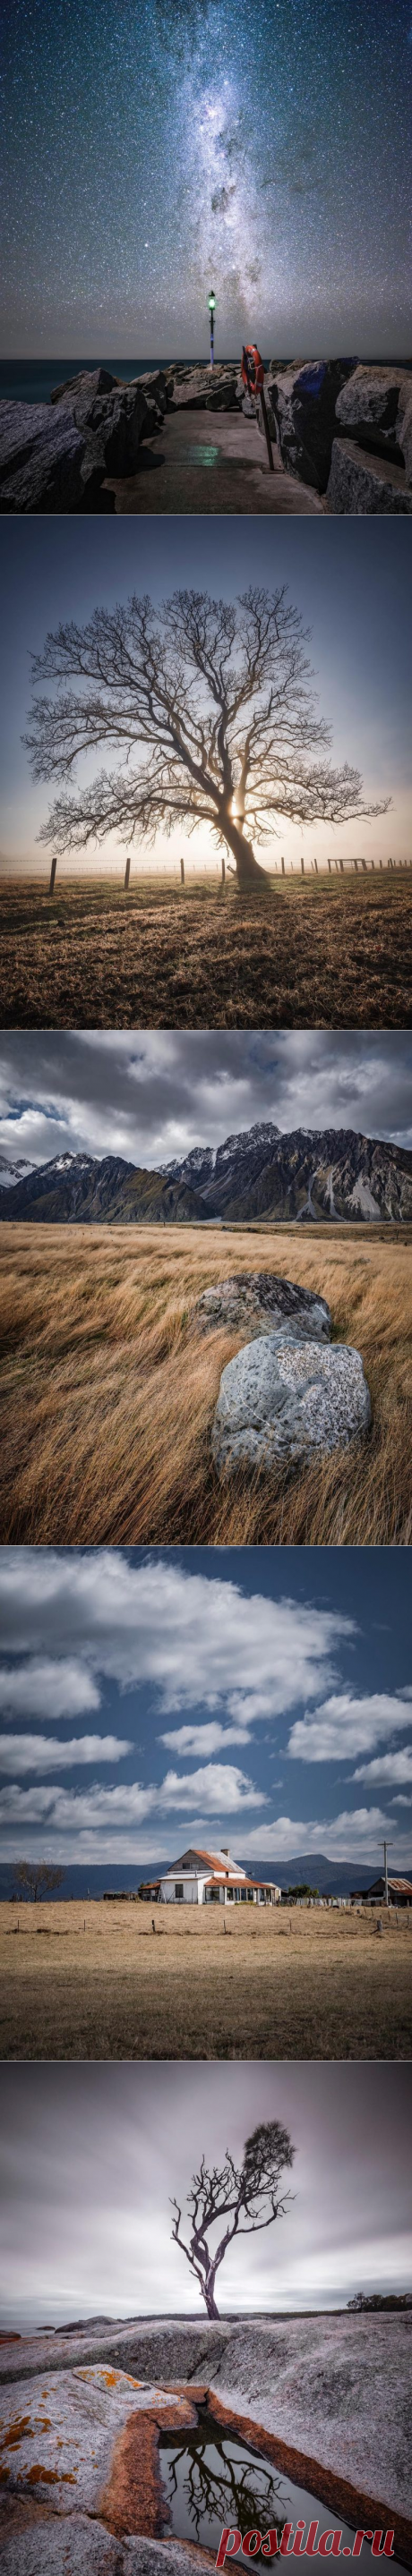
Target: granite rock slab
[285,1399]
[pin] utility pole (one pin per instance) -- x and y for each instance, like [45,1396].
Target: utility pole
[212,307]
[385,1864]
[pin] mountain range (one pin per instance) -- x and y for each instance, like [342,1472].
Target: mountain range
[310,1869]
[332,1173]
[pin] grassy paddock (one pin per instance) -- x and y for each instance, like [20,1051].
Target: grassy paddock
[319,952]
[91,1980]
[108,1389]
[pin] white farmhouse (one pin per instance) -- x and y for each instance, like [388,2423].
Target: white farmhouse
[209,1878]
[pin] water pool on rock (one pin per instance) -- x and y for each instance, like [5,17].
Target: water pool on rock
[212,2478]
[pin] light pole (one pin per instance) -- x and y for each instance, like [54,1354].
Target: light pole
[212,306]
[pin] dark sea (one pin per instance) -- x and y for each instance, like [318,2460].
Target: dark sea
[33,379]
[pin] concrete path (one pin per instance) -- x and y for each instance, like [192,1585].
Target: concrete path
[206,462]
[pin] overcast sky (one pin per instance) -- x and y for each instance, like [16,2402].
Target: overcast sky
[354,598]
[257,1697]
[151,1094]
[91,2155]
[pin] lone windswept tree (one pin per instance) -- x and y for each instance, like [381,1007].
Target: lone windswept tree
[37,1878]
[207,707]
[248,2198]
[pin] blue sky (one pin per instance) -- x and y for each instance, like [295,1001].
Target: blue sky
[353,595]
[261,1698]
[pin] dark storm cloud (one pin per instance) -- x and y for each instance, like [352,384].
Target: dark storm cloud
[151,1095]
[91,2155]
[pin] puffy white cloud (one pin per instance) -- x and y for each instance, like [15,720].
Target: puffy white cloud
[197,1638]
[343,1725]
[388,1767]
[206,1739]
[355,1830]
[20,1753]
[44,1688]
[222,1789]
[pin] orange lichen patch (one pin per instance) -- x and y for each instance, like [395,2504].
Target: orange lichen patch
[21,2430]
[334,2491]
[50,2477]
[108,2378]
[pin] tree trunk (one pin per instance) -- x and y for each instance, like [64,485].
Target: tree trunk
[127,873]
[209,2296]
[52,875]
[182,872]
[251,878]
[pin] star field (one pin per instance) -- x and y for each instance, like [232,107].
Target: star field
[157,149]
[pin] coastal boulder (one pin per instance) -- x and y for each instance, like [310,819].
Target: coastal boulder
[285,1399]
[45,463]
[362,484]
[375,408]
[205,388]
[112,422]
[302,415]
[261,1302]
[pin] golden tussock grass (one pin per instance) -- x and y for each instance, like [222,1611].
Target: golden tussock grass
[324,952]
[90,1980]
[108,1390]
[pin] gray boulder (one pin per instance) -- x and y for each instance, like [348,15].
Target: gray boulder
[261,1301]
[301,404]
[284,1399]
[113,421]
[46,464]
[205,388]
[375,407]
[75,2545]
[364,485]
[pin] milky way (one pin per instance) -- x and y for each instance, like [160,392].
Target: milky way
[168,145]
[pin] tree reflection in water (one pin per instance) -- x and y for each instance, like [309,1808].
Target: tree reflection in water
[223,2483]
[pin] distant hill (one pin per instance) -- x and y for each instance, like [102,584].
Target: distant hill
[76,1189]
[313,1869]
[330,1173]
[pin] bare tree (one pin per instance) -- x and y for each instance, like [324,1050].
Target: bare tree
[37,1878]
[209,705]
[248,2194]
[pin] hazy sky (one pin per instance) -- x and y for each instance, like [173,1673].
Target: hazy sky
[353,595]
[258,1697]
[264,149]
[153,1094]
[91,2155]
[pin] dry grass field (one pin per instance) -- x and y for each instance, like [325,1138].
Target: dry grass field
[325,952]
[108,1389]
[104,1985]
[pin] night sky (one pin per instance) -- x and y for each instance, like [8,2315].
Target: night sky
[90,2155]
[150,1094]
[157,149]
[352,593]
[257,1697]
